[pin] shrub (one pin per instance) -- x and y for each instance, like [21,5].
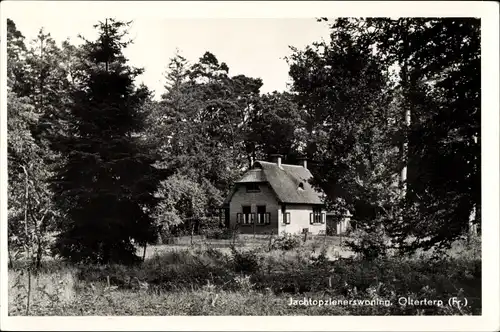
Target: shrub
[330,230]
[219,234]
[369,245]
[245,260]
[286,241]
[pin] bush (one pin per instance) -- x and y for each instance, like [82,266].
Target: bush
[286,241]
[219,234]
[245,260]
[208,271]
[330,230]
[369,245]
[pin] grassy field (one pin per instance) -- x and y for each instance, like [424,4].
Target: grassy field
[333,245]
[208,278]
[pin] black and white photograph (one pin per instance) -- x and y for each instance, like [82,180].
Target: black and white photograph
[235,161]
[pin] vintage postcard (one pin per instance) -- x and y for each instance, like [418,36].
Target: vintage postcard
[292,166]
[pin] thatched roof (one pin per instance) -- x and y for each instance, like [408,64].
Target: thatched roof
[286,181]
[253,175]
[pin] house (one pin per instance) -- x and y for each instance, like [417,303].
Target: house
[272,197]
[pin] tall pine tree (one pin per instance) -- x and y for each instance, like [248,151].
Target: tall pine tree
[106,186]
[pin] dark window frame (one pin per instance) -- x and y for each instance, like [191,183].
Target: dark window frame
[263,217]
[287,219]
[245,218]
[317,217]
[252,187]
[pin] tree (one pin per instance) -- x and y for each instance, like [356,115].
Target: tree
[201,124]
[106,185]
[445,141]
[439,81]
[434,70]
[343,90]
[16,52]
[31,211]
[183,203]
[276,126]
[202,120]
[220,111]
[45,83]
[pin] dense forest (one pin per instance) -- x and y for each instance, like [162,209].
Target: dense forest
[387,112]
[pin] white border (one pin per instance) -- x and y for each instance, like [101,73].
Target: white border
[487,11]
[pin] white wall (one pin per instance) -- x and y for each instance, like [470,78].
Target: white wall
[299,215]
[265,197]
[343,225]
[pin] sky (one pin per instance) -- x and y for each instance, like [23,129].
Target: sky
[255,47]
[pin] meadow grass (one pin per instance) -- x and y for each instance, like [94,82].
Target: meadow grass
[250,280]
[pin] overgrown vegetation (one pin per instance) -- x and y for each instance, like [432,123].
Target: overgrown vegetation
[208,281]
[97,169]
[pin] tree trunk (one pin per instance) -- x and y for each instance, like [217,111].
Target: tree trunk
[39,254]
[144,252]
[192,232]
[26,231]
[27,240]
[10,264]
[29,292]
[472,223]
[406,111]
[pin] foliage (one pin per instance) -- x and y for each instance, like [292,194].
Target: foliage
[245,261]
[343,89]
[219,233]
[369,245]
[276,126]
[202,118]
[209,276]
[31,213]
[106,185]
[36,89]
[16,52]
[382,96]
[374,115]
[286,241]
[442,100]
[181,200]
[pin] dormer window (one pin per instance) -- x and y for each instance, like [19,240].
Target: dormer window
[252,187]
[301,186]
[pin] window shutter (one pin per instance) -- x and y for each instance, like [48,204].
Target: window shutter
[323,218]
[311,218]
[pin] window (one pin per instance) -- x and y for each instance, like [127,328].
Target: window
[286,218]
[301,186]
[286,215]
[263,217]
[252,188]
[246,217]
[317,217]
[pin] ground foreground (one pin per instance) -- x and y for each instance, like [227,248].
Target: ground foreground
[203,280]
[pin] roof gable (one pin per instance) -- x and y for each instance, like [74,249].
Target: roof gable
[286,181]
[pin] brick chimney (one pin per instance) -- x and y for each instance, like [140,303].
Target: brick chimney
[276,158]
